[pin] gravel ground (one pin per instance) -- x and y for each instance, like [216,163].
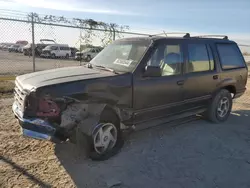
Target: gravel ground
[16,63]
[195,154]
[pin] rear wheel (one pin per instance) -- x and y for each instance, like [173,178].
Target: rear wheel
[220,108]
[53,56]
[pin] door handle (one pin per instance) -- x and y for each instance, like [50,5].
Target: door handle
[215,77]
[180,82]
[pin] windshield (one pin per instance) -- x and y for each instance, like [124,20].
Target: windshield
[122,56]
[86,50]
[51,48]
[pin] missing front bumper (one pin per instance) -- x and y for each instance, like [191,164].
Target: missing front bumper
[35,135]
[34,127]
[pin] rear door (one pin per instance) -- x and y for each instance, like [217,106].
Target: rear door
[62,51]
[201,74]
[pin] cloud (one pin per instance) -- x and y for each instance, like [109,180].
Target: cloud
[76,6]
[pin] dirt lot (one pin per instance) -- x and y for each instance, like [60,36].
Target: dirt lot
[195,154]
[16,63]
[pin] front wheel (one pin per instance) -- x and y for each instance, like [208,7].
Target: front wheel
[88,58]
[67,56]
[220,108]
[106,140]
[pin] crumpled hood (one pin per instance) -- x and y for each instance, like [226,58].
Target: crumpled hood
[59,75]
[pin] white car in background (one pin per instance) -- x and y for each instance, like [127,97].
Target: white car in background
[87,54]
[56,50]
[14,48]
[20,49]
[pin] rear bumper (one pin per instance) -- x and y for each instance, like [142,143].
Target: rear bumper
[34,127]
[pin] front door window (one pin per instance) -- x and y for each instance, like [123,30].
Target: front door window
[169,58]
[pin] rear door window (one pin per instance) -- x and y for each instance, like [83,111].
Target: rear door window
[230,56]
[200,58]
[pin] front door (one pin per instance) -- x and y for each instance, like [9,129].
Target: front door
[155,97]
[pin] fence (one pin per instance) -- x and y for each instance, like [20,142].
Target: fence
[23,28]
[33,29]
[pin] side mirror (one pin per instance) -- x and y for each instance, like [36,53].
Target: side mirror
[152,71]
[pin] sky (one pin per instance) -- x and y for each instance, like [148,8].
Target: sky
[229,17]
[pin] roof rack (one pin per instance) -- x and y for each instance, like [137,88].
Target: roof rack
[186,35]
[212,36]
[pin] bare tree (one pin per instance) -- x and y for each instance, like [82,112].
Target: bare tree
[90,27]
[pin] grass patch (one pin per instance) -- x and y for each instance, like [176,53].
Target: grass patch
[6,87]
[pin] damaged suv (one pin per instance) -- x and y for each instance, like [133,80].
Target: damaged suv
[132,83]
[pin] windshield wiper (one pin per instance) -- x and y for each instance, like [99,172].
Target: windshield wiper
[106,68]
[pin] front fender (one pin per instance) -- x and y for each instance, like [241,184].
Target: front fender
[86,116]
[87,124]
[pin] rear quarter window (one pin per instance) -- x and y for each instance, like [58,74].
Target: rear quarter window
[230,56]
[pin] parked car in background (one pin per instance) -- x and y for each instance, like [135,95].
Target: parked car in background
[27,50]
[1,46]
[56,51]
[73,51]
[14,48]
[5,46]
[87,54]
[20,49]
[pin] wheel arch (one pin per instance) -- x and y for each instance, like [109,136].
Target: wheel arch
[231,89]
[96,113]
[110,112]
[228,84]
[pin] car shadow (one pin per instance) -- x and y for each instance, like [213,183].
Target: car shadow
[87,173]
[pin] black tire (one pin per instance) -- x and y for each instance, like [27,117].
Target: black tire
[67,56]
[88,58]
[53,56]
[212,113]
[87,142]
